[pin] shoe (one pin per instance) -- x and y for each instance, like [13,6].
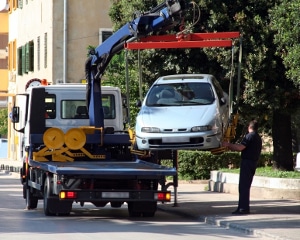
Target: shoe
[241,212]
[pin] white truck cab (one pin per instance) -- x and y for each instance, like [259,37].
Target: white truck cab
[65,107]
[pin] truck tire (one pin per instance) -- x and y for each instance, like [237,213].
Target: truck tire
[31,201]
[52,205]
[47,195]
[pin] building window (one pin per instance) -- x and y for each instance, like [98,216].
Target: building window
[3,51]
[12,56]
[45,50]
[38,53]
[104,33]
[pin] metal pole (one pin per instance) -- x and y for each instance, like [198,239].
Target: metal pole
[239,70]
[231,81]
[65,41]
[140,75]
[127,85]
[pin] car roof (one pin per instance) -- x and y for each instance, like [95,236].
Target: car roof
[178,78]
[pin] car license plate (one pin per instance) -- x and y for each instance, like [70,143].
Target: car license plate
[175,140]
[115,195]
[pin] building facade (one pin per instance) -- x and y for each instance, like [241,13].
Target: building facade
[49,40]
[3,54]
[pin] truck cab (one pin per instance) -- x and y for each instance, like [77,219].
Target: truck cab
[64,106]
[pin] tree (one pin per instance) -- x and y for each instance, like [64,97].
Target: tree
[266,90]
[3,122]
[285,20]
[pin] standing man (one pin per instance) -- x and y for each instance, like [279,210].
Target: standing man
[250,149]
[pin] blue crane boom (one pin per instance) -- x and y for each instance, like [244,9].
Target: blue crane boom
[160,18]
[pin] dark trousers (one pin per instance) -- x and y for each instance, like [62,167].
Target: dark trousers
[247,171]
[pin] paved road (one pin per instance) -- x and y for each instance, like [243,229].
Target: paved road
[276,219]
[89,222]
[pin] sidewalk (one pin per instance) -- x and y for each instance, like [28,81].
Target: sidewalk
[271,219]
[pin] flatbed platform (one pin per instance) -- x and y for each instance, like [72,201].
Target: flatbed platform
[106,168]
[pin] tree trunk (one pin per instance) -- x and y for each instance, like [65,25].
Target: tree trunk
[282,141]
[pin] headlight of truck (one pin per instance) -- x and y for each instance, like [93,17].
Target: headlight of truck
[201,128]
[150,129]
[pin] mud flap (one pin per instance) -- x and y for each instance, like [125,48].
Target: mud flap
[59,207]
[145,209]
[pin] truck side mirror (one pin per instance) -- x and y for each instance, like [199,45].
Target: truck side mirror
[15,115]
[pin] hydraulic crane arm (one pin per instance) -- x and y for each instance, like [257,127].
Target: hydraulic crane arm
[160,18]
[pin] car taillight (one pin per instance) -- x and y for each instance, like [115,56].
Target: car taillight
[162,196]
[68,195]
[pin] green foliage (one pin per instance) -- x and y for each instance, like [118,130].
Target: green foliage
[265,86]
[285,21]
[3,122]
[123,11]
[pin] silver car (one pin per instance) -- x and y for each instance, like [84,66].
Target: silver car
[188,111]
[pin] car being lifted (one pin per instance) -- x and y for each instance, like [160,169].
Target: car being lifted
[186,111]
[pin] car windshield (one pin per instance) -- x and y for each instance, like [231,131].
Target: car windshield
[177,94]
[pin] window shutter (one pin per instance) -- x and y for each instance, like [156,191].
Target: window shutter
[23,59]
[38,54]
[20,4]
[45,50]
[27,57]
[31,56]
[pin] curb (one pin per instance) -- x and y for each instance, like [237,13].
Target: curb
[238,227]
[219,223]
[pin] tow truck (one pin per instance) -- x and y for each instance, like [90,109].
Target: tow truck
[71,159]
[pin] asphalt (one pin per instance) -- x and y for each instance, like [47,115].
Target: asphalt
[268,219]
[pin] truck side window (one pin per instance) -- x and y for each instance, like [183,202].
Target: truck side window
[108,102]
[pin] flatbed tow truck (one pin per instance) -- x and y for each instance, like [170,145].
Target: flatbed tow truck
[87,158]
[75,153]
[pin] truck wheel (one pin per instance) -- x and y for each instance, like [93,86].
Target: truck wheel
[47,194]
[31,201]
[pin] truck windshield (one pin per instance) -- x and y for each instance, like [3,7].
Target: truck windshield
[177,94]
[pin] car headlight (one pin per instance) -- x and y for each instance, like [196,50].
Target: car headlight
[201,128]
[150,129]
